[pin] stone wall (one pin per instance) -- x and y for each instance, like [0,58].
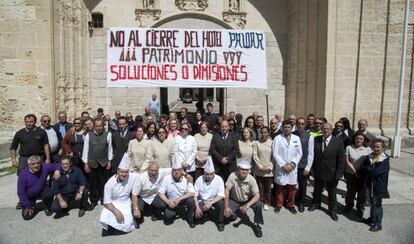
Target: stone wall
[25,61]
[364,56]
[306,59]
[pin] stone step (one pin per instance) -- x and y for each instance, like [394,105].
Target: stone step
[4,173]
[5,163]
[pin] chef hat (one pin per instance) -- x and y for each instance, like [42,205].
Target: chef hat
[209,167]
[124,164]
[177,165]
[244,164]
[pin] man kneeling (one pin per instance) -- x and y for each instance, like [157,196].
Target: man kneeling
[31,185]
[176,195]
[209,195]
[241,194]
[116,216]
[69,190]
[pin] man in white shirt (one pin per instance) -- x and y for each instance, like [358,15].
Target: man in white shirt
[52,136]
[146,189]
[154,106]
[116,216]
[177,195]
[209,195]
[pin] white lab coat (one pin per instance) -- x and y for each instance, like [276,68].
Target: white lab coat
[283,153]
[185,150]
[118,193]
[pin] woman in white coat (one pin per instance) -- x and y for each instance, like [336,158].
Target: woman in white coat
[185,149]
[287,152]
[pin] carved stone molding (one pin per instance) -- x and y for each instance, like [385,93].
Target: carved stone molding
[238,20]
[191,5]
[146,17]
[69,12]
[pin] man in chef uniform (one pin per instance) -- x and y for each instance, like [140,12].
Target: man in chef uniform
[209,195]
[116,216]
[287,152]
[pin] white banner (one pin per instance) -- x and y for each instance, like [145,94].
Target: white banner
[143,57]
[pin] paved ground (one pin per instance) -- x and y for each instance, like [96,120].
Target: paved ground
[307,227]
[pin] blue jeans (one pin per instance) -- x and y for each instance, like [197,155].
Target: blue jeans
[376,210]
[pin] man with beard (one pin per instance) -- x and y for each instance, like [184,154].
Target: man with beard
[120,141]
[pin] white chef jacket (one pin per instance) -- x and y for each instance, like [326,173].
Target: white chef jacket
[147,188]
[118,193]
[209,190]
[283,153]
[185,150]
[173,189]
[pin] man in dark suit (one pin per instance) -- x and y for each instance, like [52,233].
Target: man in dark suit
[120,141]
[224,149]
[328,167]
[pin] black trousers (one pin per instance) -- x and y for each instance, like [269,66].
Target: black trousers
[97,179]
[256,207]
[72,203]
[185,208]
[46,196]
[331,188]
[146,208]
[302,183]
[355,185]
[217,211]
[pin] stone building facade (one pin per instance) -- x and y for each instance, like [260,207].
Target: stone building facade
[333,58]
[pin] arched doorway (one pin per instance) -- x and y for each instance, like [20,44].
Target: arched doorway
[169,96]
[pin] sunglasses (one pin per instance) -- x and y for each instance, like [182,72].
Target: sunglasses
[77,123]
[46,121]
[184,129]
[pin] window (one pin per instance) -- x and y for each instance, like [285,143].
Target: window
[97,20]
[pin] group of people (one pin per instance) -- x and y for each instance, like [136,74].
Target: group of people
[199,167]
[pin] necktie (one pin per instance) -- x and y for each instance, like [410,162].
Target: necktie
[324,144]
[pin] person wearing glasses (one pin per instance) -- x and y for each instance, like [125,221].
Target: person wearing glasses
[185,149]
[54,145]
[72,143]
[317,128]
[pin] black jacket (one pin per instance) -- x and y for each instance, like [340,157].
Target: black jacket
[377,175]
[68,184]
[328,165]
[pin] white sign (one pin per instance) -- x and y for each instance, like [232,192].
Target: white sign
[144,57]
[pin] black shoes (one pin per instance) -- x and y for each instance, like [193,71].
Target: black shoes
[92,205]
[313,207]
[346,210]
[191,224]
[257,230]
[375,228]
[154,218]
[48,212]
[277,210]
[360,213]
[292,210]
[301,208]
[220,227]
[81,213]
[334,217]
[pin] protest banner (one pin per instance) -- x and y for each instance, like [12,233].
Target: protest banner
[145,57]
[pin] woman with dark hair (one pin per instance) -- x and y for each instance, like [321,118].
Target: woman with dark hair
[355,155]
[232,127]
[161,149]
[72,143]
[262,157]
[197,122]
[150,131]
[184,149]
[347,127]
[376,168]
[339,132]
[250,123]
